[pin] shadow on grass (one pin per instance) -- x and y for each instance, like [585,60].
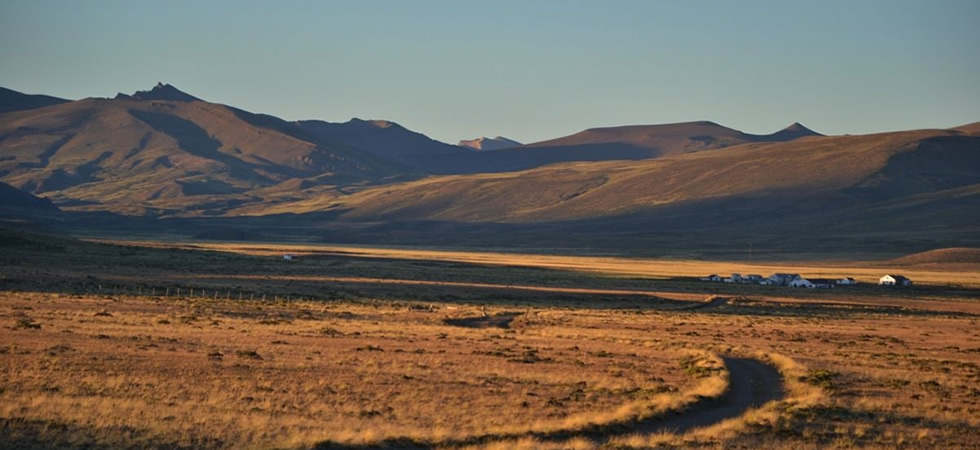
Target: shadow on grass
[18,433]
[501,320]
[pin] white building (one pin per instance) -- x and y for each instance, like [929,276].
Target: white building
[288,257]
[752,278]
[894,280]
[847,281]
[801,282]
[783,279]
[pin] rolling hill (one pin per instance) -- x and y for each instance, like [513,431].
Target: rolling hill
[634,142]
[972,129]
[11,100]
[12,198]
[21,210]
[163,151]
[904,191]
[380,137]
[940,257]
[163,159]
[671,139]
[858,169]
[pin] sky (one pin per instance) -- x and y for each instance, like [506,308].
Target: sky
[527,69]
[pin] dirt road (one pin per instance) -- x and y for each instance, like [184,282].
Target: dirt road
[752,383]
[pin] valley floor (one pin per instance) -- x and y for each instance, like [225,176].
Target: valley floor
[108,346]
[864,272]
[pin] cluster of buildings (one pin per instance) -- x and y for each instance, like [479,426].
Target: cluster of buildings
[797,280]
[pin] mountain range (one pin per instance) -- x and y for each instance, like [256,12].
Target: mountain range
[163,153]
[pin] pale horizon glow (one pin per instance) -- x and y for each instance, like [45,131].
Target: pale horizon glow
[525,70]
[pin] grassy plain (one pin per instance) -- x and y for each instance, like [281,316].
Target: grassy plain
[965,274]
[98,350]
[229,373]
[82,370]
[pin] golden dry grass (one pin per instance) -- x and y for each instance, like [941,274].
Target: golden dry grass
[261,374]
[184,372]
[867,382]
[135,371]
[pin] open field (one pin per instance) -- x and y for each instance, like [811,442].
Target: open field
[281,374]
[327,273]
[121,370]
[965,274]
[106,345]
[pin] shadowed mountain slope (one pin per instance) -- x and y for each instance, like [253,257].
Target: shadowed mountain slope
[380,137]
[12,198]
[632,142]
[163,150]
[20,210]
[166,153]
[851,196]
[160,92]
[829,174]
[11,100]
[672,139]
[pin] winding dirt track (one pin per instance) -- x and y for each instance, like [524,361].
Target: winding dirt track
[752,383]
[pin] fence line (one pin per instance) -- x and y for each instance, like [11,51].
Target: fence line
[151,291]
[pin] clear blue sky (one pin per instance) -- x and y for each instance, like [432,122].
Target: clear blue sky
[525,69]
